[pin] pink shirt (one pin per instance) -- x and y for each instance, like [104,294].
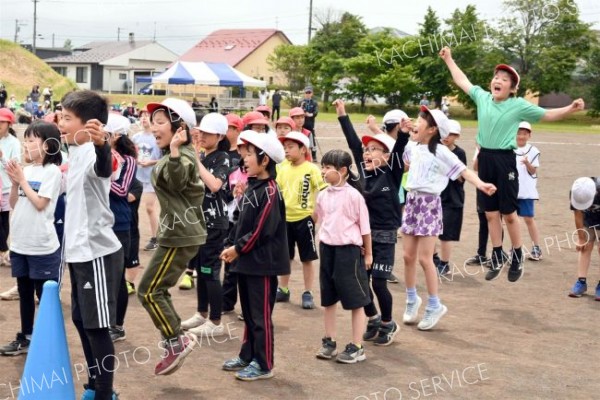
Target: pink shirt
[343,216]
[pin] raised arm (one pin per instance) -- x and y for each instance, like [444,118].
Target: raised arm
[458,76]
[560,113]
[352,138]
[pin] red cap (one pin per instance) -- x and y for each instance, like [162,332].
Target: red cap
[253,116]
[264,108]
[513,72]
[286,120]
[235,121]
[7,116]
[296,111]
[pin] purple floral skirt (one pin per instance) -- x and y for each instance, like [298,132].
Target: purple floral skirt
[422,215]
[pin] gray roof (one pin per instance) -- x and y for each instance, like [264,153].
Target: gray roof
[395,32]
[97,52]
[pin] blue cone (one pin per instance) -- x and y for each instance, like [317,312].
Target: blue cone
[47,373]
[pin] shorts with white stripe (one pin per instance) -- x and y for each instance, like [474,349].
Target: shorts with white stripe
[94,290]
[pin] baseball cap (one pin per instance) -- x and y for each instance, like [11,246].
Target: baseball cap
[241,138]
[296,111]
[394,117]
[287,121]
[177,106]
[296,137]
[308,89]
[267,143]
[454,127]
[525,125]
[513,72]
[252,116]
[583,192]
[117,124]
[386,140]
[440,120]
[214,123]
[264,108]
[7,116]
[235,121]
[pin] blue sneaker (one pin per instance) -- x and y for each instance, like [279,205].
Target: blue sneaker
[597,298]
[578,289]
[90,394]
[253,372]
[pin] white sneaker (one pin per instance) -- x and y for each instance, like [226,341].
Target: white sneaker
[10,294]
[208,330]
[411,312]
[432,317]
[194,322]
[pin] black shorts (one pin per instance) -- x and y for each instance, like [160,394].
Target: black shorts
[452,219]
[343,277]
[500,168]
[125,240]
[94,288]
[207,262]
[303,233]
[383,259]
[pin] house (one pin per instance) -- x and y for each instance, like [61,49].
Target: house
[112,66]
[246,50]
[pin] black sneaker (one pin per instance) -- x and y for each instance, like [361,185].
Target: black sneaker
[495,268]
[478,260]
[117,334]
[372,329]
[386,334]
[443,269]
[393,279]
[282,296]
[18,346]
[516,269]
[152,244]
[327,350]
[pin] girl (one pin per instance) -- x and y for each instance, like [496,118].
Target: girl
[261,246]
[214,169]
[431,165]
[34,247]
[181,229]
[343,233]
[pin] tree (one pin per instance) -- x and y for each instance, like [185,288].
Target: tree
[591,79]
[292,62]
[68,44]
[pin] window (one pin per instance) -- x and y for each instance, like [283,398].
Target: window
[60,70]
[122,76]
[81,75]
[270,80]
[229,47]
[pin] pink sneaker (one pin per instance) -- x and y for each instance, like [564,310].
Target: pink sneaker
[176,350]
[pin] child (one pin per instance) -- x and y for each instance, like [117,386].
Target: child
[528,161]
[181,226]
[380,168]
[499,114]
[92,250]
[585,203]
[431,167]
[299,116]
[284,125]
[132,260]
[214,169]
[453,201]
[255,121]
[34,246]
[344,233]
[261,250]
[299,181]
[480,258]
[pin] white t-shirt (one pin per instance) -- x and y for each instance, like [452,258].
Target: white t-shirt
[11,150]
[32,231]
[430,173]
[527,182]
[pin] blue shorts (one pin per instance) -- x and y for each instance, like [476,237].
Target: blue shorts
[525,208]
[36,267]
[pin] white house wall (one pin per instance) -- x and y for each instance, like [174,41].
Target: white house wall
[150,53]
[72,74]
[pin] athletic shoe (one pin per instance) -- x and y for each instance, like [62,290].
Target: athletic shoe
[327,350]
[195,321]
[187,282]
[10,294]
[18,346]
[176,350]
[152,245]
[536,253]
[241,317]
[386,334]
[432,317]
[225,312]
[307,300]
[372,329]
[117,334]
[208,330]
[393,279]
[253,372]
[597,294]
[235,364]
[443,269]
[578,289]
[411,312]
[495,268]
[436,259]
[516,269]
[351,354]
[281,296]
[130,288]
[90,394]
[478,260]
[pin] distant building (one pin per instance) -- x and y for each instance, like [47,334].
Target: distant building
[48,52]
[246,50]
[112,66]
[395,32]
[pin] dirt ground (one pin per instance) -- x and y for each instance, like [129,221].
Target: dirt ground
[524,340]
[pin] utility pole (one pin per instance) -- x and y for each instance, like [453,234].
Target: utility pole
[310,10]
[34,23]
[53,40]
[154,35]
[118,34]
[16,30]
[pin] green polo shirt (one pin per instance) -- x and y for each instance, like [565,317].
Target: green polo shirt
[499,121]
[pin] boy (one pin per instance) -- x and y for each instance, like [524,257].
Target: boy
[284,125]
[528,161]
[300,181]
[499,114]
[585,203]
[92,250]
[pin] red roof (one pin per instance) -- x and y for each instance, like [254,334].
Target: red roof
[229,46]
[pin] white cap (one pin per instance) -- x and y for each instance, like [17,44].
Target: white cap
[117,124]
[296,137]
[583,192]
[386,140]
[453,126]
[214,123]
[440,120]
[267,143]
[525,125]
[178,106]
[394,116]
